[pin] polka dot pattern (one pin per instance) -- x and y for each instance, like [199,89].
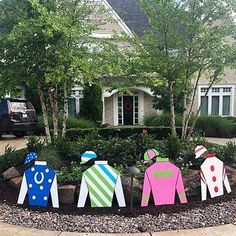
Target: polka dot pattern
[39,179]
[30,157]
[212,168]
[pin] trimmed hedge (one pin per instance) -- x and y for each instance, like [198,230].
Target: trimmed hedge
[210,126]
[72,122]
[216,126]
[122,132]
[164,120]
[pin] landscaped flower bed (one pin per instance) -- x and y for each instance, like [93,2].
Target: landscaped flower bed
[195,214]
[64,156]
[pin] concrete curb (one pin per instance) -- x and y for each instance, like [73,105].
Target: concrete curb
[224,230]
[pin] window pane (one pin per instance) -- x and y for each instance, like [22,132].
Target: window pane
[226,106]
[215,105]
[215,90]
[204,104]
[203,90]
[226,90]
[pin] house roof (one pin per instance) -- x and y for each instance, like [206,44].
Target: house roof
[131,13]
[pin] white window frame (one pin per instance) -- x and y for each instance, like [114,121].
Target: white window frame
[122,110]
[136,95]
[221,94]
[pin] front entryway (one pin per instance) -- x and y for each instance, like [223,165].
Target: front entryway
[128,110]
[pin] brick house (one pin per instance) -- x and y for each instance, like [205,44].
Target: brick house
[131,110]
[122,109]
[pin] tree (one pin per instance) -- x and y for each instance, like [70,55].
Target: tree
[46,44]
[92,106]
[186,43]
[161,99]
[209,26]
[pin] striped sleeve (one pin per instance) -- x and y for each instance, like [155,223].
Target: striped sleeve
[226,180]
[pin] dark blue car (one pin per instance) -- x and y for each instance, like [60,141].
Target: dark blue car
[17,116]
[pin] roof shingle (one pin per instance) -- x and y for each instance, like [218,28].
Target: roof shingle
[131,13]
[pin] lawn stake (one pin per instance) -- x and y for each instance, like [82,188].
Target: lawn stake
[132,170]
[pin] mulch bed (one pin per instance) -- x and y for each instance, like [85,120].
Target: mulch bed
[195,214]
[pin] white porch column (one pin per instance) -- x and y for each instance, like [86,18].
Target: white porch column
[77,105]
[141,107]
[103,109]
[115,109]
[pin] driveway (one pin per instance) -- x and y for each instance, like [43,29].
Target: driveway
[18,143]
[221,141]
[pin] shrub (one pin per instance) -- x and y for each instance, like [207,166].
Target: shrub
[68,150]
[231,118]
[173,147]
[69,174]
[35,144]
[91,108]
[12,158]
[39,129]
[215,126]
[164,120]
[51,156]
[72,122]
[229,153]
[118,151]
[122,132]
[144,142]
[17,158]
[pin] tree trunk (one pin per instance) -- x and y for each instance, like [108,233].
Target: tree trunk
[214,78]
[172,108]
[65,110]
[184,114]
[45,114]
[54,105]
[189,107]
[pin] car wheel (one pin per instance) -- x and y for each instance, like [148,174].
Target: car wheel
[19,134]
[0,134]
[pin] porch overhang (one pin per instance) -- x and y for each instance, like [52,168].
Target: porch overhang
[107,93]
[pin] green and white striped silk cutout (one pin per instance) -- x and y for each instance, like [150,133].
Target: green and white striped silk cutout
[101,181]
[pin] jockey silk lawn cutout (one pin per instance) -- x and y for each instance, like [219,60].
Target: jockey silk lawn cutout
[100,182]
[163,179]
[213,174]
[39,181]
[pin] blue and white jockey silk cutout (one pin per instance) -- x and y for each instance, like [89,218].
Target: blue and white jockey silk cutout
[31,157]
[39,181]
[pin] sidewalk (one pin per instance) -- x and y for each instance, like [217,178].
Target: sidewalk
[221,141]
[17,143]
[225,230]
